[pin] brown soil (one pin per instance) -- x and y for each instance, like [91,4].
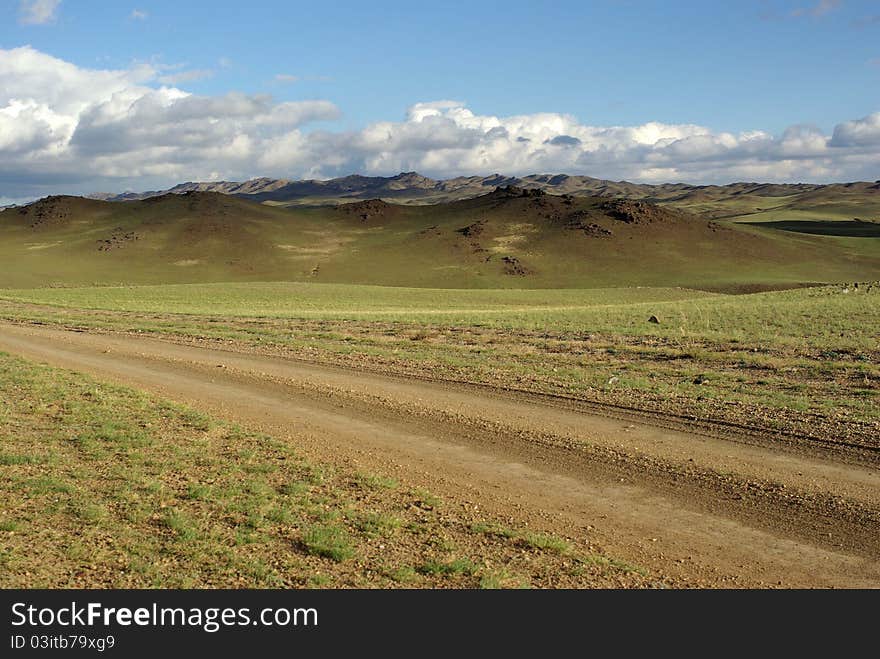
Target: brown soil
[697,507]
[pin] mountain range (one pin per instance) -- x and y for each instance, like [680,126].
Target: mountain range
[413,188]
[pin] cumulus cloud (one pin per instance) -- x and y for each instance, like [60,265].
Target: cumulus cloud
[66,128]
[64,125]
[138,15]
[863,132]
[37,12]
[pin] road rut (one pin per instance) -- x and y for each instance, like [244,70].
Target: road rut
[694,509]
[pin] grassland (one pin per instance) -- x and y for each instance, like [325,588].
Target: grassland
[107,487]
[494,242]
[559,296]
[521,307]
[788,359]
[834,203]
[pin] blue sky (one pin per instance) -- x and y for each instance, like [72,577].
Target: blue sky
[729,68]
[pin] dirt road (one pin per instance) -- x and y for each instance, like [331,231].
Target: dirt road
[692,508]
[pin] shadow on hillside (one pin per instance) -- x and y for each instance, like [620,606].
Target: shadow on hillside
[847,228]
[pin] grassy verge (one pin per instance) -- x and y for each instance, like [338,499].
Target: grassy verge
[107,487]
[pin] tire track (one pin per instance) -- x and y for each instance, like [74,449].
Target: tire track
[706,511]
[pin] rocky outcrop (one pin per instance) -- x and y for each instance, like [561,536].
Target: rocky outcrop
[637,212]
[369,209]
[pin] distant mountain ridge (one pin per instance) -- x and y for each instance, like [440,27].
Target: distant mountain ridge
[413,188]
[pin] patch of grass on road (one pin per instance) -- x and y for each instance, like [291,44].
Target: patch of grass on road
[457,566]
[329,541]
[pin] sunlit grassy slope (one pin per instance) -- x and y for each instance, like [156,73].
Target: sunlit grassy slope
[493,242]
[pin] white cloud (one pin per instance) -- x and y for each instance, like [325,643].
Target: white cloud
[37,12]
[139,15]
[67,128]
[286,77]
[64,125]
[864,132]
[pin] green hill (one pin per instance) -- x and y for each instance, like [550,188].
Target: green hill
[510,238]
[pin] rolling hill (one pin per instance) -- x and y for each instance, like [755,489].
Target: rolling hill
[510,238]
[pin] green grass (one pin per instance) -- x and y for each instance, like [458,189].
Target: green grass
[809,350]
[494,529]
[502,579]
[547,542]
[377,525]
[405,575]
[182,526]
[214,239]
[165,497]
[540,541]
[375,481]
[576,325]
[458,566]
[425,499]
[328,541]
[7,459]
[781,317]
[843,228]
[343,301]
[782,209]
